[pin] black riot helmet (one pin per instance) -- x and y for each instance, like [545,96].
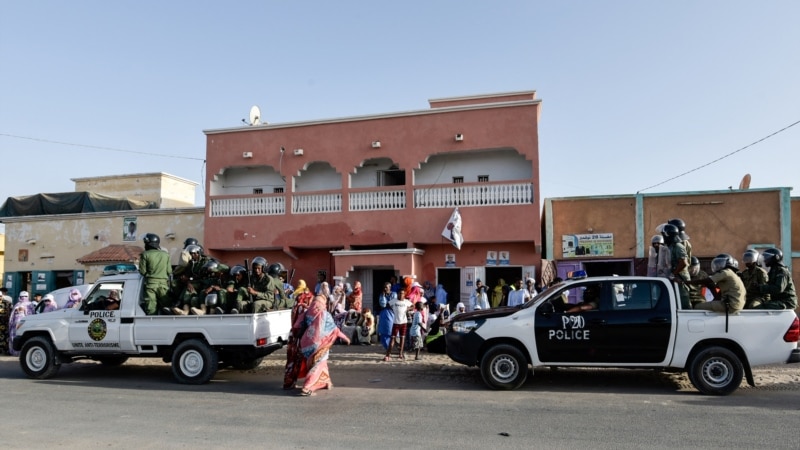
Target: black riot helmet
[671,234]
[772,256]
[236,270]
[750,256]
[681,227]
[210,268]
[724,261]
[190,241]
[275,269]
[194,249]
[259,261]
[151,241]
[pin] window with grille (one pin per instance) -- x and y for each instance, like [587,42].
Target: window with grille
[258,191]
[483,178]
[458,180]
[277,190]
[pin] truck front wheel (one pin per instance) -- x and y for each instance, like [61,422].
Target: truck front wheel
[194,362]
[716,371]
[38,358]
[504,367]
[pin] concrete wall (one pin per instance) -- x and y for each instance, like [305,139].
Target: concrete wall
[168,191]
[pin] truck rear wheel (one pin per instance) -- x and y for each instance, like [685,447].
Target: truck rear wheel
[716,371]
[39,359]
[194,362]
[504,367]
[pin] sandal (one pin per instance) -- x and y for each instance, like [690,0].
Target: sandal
[305,393]
[387,358]
[401,357]
[330,385]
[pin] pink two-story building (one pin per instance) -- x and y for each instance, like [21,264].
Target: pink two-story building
[366,198]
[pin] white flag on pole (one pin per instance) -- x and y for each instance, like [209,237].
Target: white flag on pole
[452,231]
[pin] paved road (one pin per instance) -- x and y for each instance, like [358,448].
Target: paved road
[429,404]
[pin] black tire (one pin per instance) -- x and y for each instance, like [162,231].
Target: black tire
[112,361]
[504,367]
[246,364]
[194,362]
[39,358]
[716,371]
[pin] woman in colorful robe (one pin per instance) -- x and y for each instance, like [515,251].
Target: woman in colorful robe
[295,360]
[315,345]
[22,308]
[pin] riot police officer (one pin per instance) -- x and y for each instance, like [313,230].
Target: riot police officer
[780,286]
[753,276]
[155,266]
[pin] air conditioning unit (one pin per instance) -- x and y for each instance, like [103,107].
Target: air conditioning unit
[247,155]
[376,144]
[298,152]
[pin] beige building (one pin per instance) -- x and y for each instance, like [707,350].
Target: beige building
[44,252]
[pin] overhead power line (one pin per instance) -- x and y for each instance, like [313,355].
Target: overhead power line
[96,147]
[722,157]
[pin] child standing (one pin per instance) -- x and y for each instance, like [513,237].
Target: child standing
[399,306]
[417,329]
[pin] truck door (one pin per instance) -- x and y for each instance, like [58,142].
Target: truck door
[97,328]
[569,337]
[638,322]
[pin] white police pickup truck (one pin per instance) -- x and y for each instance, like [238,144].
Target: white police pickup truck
[630,322]
[195,345]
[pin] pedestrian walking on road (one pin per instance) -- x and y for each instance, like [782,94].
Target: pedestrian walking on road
[319,336]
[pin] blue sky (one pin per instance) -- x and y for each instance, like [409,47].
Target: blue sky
[633,93]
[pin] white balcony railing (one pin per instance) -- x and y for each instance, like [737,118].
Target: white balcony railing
[316,203]
[248,206]
[377,200]
[474,195]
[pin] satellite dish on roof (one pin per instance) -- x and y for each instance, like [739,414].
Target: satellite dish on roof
[745,183]
[255,116]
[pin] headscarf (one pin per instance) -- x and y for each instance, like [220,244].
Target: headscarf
[301,287]
[50,303]
[337,299]
[356,296]
[25,302]
[413,291]
[75,298]
[441,295]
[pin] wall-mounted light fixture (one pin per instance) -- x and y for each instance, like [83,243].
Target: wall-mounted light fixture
[31,242]
[376,144]
[298,152]
[459,137]
[170,236]
[247,154]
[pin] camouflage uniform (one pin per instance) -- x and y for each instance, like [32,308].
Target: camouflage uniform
[780,288]
[155,266]
[752,278]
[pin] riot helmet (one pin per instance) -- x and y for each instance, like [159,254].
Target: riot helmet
[723,261]
[772,256]
[694,266]
[681,227]
[151,241]
[750,257]
[671,234]
[275,269]
[260,262]
[657,239]
[210,268]
[194,249]
[236,270]
[190,241]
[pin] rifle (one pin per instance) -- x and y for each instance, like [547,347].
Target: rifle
[247,271]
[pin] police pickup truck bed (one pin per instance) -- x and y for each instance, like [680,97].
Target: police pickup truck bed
[637,323]
[195,345]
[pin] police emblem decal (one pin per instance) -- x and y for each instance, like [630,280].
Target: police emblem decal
[97,329]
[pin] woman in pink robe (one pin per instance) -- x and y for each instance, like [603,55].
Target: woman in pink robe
[315,344]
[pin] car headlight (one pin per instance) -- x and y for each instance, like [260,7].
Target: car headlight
[465,326]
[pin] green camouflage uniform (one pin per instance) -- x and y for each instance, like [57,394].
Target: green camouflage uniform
[753,278]
[780,288]
[154,265]
[677,253]
[695,291]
